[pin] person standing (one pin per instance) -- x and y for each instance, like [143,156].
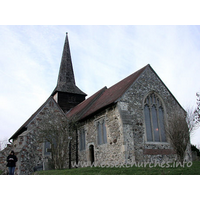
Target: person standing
[11,159]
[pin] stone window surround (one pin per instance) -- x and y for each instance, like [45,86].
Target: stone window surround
[156,143]
[100,120]
[164,109]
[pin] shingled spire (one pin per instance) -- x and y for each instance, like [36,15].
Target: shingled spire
[66,80]
[66,93]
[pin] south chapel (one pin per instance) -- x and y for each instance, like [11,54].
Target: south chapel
[123,123]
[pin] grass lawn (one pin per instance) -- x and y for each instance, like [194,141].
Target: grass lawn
[148,170]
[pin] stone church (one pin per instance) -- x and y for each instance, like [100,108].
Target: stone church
[123,123]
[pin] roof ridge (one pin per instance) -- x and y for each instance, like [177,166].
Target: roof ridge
[28,121]
[112,94]
[141,69]
[79,111]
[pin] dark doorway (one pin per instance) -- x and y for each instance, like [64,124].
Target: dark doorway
[91,153]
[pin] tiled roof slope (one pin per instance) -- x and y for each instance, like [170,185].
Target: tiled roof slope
[105,97]
[84,106]
[25,125]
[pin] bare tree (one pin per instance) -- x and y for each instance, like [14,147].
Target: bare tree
[58,130]
[179,128]
[197,110]
[192,120]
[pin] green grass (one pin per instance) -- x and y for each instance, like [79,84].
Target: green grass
[193,170]
[1,172]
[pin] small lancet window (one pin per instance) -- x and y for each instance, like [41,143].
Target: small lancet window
[101,132]
[154,119]
[82,139]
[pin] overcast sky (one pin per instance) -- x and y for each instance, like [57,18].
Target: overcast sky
[102,55]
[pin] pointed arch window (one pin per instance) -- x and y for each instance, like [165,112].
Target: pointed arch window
[154,119]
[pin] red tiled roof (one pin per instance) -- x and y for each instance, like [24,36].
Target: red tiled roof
[105,97]
[84,106]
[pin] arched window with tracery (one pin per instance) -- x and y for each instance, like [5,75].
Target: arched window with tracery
[154,119]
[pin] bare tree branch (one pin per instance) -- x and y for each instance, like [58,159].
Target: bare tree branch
[178,129]
[58,130]
[197,110]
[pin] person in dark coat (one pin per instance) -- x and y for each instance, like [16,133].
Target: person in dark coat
[11,159]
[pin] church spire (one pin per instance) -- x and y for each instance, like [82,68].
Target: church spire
[66,80]
[66,73]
